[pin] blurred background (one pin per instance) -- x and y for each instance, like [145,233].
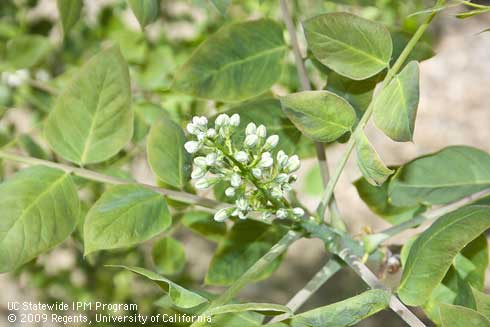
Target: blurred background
[454,109]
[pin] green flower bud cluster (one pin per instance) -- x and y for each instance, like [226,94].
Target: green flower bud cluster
[256,176]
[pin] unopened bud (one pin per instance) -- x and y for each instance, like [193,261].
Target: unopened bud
[235,180]
[261,131]
[251,129]
[221,215]
[241,156]
[192,146]
[235,120]
[251,140]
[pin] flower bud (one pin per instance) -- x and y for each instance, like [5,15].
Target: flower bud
[203,121]
[200,162]
[222,120]
[235,180]
[293,164]
[192,128]
[241,156]
[261,131]
[230,192]
[202,184]
[276,192]
[198,172]
[281,213]
[241,204]
[211,133]
[251,129]
[251,140]
[281,178]
[201,136]
[221,215]
[211,158]
[282,159]
[195,120]
[298,212]
[266,160]
[257,172]
[192,146]
[271,142]
[235,120]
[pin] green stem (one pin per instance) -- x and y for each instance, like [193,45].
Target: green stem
[335,217]
[253,272]
[332,266]
[98,177]
[327,195]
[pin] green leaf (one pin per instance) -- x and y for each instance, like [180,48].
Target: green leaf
[181,297]
[169,256]
[267,112]
[482,301]
[421,52]
[395,108]
[92,119]
[40,209]
[29,145]
[221,5]
[268,309]
[238,62]
[357,93]
[146,11]
[242,319]
[26,51]
[458,316]
[433,252]
[369,162]
[344,313]
[376,198]
[125,215]
[70,11]
[245,243]
[441,177]
[145,115]
[166,154]
[204,224]
[350,45]
[320,115]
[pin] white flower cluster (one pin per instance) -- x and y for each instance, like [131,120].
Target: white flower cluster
[257,180]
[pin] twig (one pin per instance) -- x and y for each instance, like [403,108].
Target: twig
[98,177]
[253,272]
[306,86]
[327,195]
[370,278]
[42,86]
[321,277]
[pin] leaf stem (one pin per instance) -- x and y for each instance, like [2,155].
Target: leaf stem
[306,86]
[370,278]
[254,271]
[327,195]
[98,177]
[332,266]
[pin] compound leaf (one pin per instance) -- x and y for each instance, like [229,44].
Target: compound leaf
[180,296]
[92,119]
[432,254]
[69,11]
[441,177]
[146,11]
[350,45]
[169,256]
[395,108]
[458,316]
[320,115]
[40,209]
[166,154]
[239,61]
[344,313]
[125,215]
[369,162]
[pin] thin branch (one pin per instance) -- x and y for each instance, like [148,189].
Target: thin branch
[98,177]
[428,216]
[253,272]
[42,86]
[321,277]
[306,86]
[370,278]
[327,195]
